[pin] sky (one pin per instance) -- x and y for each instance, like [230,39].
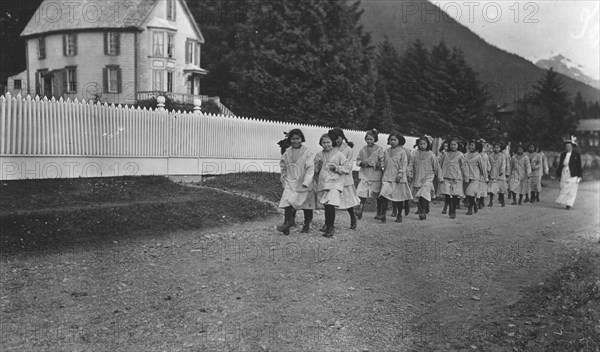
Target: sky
[535,29]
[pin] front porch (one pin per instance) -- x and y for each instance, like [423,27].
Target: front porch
[184,99]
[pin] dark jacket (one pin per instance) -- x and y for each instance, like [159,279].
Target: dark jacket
[574,164]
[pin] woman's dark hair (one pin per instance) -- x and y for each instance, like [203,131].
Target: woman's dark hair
[373,133]
[295,132]
[337,132]
[326,135]
[426,140]
[446,142]
[399,137]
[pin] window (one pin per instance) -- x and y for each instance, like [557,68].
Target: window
[158,83]
[189,49]
[18,84]
[171,7]
[41,47]
[112,43]
[70,44]
[169,81]
[71,79]
[112,79]
[170,45]
[192,52]
[158,43]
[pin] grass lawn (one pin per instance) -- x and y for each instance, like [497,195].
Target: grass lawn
[38,214]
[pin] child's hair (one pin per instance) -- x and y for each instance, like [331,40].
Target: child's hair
[337,132]
[373,133]
[442,146]
[479,146]
[531,144]
[295,132]
[500,144]
[399,137]
[326,135]
[519,146]
[426,140]
[450,140]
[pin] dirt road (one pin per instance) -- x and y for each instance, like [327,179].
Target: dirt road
[417,285]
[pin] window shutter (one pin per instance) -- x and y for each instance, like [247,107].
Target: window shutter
[119,81]
[74,44]
[106,44]
[64,44]
[118,43]
[105,80]
[187,51]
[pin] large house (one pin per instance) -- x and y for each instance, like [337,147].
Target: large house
[116,51]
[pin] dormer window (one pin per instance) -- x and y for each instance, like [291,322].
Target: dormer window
[171,7]
[192,52]
[70,44]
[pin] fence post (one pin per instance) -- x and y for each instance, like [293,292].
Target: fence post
[161,103]
[197,105]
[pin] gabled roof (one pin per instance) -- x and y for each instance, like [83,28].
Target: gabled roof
[58,16]
[53,16]
[589,125]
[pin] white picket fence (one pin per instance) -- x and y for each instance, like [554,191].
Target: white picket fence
[41,138]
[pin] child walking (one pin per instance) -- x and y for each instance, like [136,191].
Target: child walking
[484,149]
[297,176]
[443,150]
[451,180]
[520,168]
[537,170]
[475,170]
[395,186]
[370,160]
[497,184]
[330,168]
[349,198]
[425,168]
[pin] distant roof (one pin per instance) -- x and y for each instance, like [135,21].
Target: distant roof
[589,125]
[54,16]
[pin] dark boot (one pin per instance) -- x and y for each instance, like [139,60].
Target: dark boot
[287,223]
[360,208]
[399,215]
[470,205]
[457,205]
[521,199]
[491,203]
[406,207]
[509,194]
[426,206]
[423,205]
[384,205]
[481,202]
[475,204]
[394,209]
[532,199]
[537,196]
[329,220]
[526,197]
[293,217]
[308,216]
[418,212]
[454,201]
[501,200]
[379,203]
[514,198]
[352,219]
[446,203]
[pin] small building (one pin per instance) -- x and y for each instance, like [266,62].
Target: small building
[588,135]
[17,84]
[115,51]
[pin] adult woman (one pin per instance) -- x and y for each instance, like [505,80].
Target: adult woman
[569,172]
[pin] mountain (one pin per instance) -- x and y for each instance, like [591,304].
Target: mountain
[506,76]
[568,68]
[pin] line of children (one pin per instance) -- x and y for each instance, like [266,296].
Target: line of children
[396,174]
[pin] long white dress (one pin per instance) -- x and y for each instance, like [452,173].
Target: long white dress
[568,185]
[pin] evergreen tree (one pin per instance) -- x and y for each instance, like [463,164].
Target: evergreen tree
[304,62]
